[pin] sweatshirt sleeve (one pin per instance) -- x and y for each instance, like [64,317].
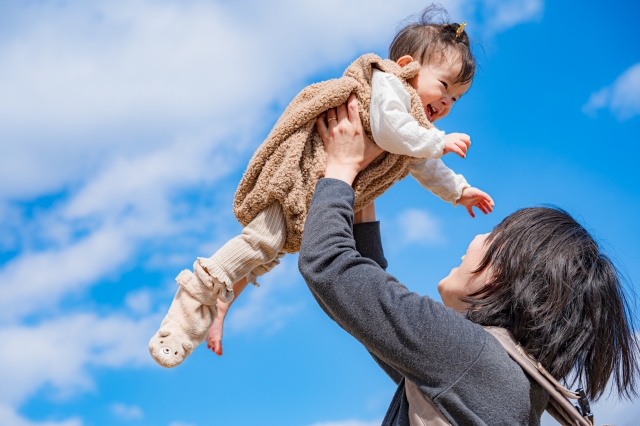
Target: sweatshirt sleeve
[369,244]
[392,126]
[435,176]
[414,335]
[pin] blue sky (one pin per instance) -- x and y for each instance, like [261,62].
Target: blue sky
[125,127]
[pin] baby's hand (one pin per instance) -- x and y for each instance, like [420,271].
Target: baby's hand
[473,197]
[458,143]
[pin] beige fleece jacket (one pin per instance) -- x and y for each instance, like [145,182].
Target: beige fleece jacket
[287,165]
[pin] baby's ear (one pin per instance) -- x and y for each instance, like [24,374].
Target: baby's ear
[404,61]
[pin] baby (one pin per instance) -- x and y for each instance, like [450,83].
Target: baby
[430,68]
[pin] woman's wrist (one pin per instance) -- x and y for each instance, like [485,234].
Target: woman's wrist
[365,214]
[344,173]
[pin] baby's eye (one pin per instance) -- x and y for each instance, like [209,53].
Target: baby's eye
[446,86]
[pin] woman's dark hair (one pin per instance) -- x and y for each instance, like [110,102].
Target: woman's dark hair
[562,299]
[430,33]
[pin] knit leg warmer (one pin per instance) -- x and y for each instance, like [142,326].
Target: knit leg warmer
[194,306]
[255,249]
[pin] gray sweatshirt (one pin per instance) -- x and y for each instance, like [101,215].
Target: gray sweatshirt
[464,370]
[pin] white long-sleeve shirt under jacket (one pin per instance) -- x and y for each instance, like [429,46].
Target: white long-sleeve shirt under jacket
[396,131]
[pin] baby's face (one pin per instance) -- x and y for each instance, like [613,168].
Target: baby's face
[434,84]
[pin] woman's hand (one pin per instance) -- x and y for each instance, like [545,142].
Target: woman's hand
[347,148]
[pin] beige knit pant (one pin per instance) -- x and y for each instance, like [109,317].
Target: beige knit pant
[194,307]
[252,253]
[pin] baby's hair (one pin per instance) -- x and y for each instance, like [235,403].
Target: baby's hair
[430,33]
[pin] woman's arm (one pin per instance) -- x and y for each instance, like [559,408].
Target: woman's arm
[366,233]
[419,338]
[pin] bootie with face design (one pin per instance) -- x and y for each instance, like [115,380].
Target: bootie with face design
[185,326]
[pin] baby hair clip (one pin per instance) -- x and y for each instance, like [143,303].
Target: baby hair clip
[460,29]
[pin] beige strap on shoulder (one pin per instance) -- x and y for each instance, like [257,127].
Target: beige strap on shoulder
[423,412]
[559,406]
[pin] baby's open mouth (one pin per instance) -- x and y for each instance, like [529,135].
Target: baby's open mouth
[430,112]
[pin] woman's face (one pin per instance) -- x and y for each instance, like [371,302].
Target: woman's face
[461,281]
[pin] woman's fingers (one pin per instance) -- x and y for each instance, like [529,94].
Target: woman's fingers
[352,109]
[342,112]
[321,124]
[332,119]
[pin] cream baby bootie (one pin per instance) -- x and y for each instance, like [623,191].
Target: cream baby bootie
[191,313]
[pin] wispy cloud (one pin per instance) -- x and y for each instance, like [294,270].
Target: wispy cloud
[415,226]
[265,307]
[500,15]
[36,281]
[118,78]
[8,416]
[60,351]
[621,98]
[126,412]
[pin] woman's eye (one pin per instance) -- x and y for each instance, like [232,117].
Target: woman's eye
[446,86]
[454,99]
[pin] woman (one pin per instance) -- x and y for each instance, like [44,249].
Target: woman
[538,274]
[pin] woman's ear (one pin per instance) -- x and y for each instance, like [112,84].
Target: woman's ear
[405,60]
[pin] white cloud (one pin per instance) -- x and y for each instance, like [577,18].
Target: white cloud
[121,77]
[59,351]
[622,97]
[9,417]
[139,301]
[418,227]
[500,15]
[126,412]
[35,281]
[349,423]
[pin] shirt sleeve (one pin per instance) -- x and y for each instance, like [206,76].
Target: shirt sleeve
[392,126]
[435,176]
